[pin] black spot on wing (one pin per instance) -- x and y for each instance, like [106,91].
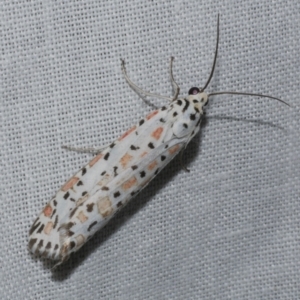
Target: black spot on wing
[66,195]
[115,171]
[72,245]
[70,233]
[35,221]
[55,222]
[89,207]
[132,147]
[34,227]
[151,146]
[40,244]
[79,183]
[53,213]
[73,212]
[91,226]
[106,156]
[31,243]
[41,228]
[187,103]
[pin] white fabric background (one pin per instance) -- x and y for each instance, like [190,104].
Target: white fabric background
[229,229]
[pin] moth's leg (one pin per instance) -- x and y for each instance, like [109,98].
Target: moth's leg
[86,149]
[137,89]
[174,83]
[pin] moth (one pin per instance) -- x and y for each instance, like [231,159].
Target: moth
[119,171]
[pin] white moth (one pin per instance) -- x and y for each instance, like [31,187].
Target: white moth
[119,171]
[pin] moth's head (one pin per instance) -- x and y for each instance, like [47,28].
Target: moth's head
[198,97]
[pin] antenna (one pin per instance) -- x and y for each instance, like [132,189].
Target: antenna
[215,59]
[247,94]
[231,92]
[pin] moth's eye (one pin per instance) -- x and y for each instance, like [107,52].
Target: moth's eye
[194,91]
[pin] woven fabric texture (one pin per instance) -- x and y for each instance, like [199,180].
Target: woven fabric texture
[229,229]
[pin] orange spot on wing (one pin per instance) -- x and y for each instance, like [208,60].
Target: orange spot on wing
[152,114]
[47,211]
[157,133]
[48,228]
[95,159]
[152,165]
[82,217]
[129,183]
[143,154]
[80,240]
[125,160]
[104,180]
[127,133]
[174,149]
[69,184]
[104,207]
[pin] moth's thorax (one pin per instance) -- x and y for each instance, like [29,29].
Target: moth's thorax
[199,100]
